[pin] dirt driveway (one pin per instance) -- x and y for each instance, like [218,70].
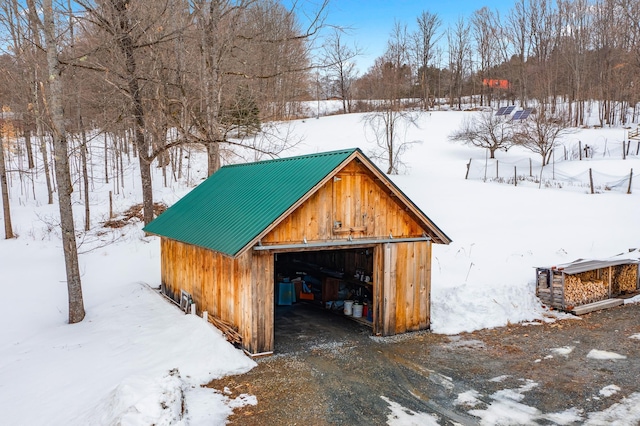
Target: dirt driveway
[329,370]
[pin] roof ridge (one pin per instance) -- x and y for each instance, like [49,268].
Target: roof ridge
[298,157]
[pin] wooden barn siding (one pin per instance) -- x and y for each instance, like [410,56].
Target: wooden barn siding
[403,294]
[259,337]
[378,284]
[356,194]
[217,283]
[238,291]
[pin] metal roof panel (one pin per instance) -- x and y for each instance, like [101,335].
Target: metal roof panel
[230,208]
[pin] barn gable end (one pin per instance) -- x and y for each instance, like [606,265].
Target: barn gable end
[353,203]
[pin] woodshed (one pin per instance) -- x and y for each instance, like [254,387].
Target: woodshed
[586,285]
[333,215]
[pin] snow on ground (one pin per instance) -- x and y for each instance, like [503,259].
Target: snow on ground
[468,398]
[606,355]
[634,299]
[401,416]
[136,353]
[609,390]
[623,413]
[635,336]
[134,359]
[132,354]
[564,351]
[500,232]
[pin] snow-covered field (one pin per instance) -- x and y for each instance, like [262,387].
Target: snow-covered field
[135,358]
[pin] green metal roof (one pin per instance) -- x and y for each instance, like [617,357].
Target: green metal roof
[234,205]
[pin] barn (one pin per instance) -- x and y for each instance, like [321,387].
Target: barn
[334,216]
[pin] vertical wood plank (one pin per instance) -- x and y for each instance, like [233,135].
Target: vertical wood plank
[389,280]
[427,284]
[402,285]
[413,287]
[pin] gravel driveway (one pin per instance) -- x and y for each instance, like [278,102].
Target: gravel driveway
[328,369]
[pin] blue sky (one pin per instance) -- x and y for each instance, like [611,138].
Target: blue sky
[372,20]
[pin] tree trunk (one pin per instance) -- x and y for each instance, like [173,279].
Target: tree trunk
[35,93]
[125,43]
[8,230]
[85,177]
[27,142]
[45,161]
[213,158]
[74,287]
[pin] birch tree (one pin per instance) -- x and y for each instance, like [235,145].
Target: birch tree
[59,133]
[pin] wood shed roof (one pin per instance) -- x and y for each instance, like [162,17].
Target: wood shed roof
[583,265]
[235,206]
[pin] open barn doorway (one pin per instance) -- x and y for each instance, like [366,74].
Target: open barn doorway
[322,294]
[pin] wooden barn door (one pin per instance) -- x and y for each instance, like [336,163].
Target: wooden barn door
[402,287]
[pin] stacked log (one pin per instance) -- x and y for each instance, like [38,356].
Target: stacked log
[229,331]
[625,278]
[594,274]
[580,292]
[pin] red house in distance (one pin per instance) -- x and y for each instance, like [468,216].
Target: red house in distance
[496,84]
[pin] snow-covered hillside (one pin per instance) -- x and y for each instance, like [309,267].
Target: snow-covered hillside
[135,353]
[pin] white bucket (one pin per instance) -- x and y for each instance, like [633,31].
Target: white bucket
[348,305]
[357,310]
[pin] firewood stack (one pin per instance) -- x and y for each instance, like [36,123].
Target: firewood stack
[578,292]
[625,277]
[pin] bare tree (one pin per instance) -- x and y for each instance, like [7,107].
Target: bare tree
[121,28]
[519,35]
[340,66]
[486,32]
[6,211]
[31,56]
[546,32]
[74,287]
[486,130]
[459,52]
[540,131]
[578,19]
[391,74]
[425,39]
[389,128]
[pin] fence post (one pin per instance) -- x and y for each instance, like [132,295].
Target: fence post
[466,176]
[531,168]
[515,176]
[630,179]
[497,174]
[591,181]
[638,148]
[624,148]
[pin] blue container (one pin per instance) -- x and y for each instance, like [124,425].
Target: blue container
[286,293]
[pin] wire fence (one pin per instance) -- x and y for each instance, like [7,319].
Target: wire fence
[529,172]
[603,148]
